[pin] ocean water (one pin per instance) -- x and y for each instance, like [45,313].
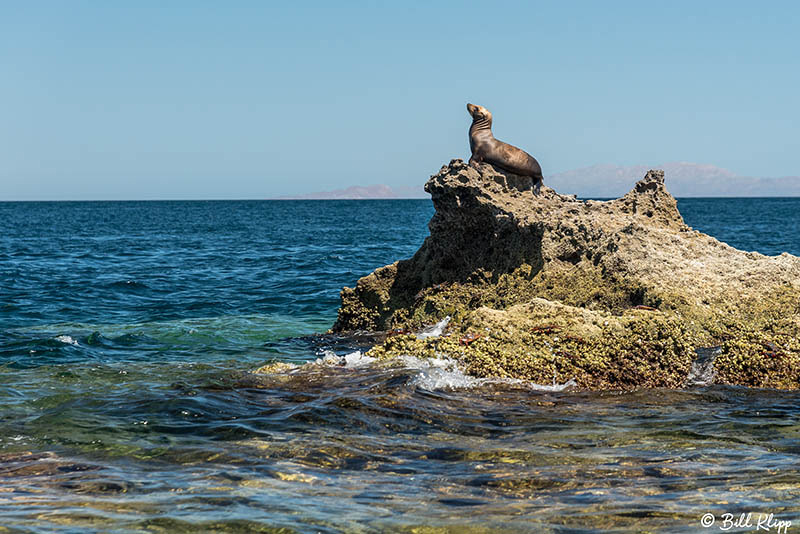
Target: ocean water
[129,330]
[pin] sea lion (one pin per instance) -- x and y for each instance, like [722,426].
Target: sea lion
[485,148]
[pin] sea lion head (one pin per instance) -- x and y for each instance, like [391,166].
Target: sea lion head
[479,112]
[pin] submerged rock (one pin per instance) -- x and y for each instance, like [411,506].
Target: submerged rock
[612,294]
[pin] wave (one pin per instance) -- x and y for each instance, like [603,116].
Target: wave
[441,373]
[67,339]
[127,285]
[239,329]
[245,337]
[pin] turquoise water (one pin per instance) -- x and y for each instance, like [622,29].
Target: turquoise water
[128,331]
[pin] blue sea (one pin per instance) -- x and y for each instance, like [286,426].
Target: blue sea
[129,330]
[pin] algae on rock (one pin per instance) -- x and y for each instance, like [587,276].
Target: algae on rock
[614,294]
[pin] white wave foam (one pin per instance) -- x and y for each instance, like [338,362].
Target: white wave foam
[352,360]
[67,339]
[435,330]
[442,378]
[356,359]
[329,358]
[438,373]
[554,387]
[444,373]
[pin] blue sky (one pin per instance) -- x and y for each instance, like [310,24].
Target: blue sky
[113,100]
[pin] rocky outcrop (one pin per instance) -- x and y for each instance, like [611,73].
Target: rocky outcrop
[614,294]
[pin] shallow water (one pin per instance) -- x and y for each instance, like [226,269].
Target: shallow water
[128,330]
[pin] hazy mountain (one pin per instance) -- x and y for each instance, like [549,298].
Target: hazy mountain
[682,180]
[607,181]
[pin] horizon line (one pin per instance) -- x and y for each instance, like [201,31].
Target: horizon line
[20,201]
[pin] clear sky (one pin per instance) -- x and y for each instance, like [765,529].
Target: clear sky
[144,100]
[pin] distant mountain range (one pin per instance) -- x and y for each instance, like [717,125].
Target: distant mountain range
[607,181]
[682,180]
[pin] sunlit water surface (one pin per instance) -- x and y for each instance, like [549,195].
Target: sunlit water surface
[128,331]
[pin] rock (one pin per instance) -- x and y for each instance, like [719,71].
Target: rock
[615,294]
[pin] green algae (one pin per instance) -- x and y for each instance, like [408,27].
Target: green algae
[370,306]
[601,332]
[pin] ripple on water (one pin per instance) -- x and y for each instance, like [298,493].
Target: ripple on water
[385,449]
[126,404]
